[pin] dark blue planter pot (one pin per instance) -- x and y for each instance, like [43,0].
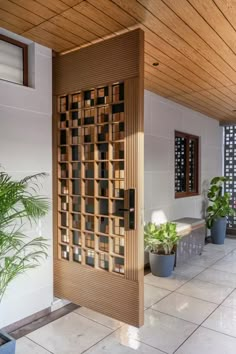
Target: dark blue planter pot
[218,231]
[10,346]
[161,265]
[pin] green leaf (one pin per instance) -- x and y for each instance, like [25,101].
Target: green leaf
[19,202]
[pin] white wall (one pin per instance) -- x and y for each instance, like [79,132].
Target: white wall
[26,148]
[161,118]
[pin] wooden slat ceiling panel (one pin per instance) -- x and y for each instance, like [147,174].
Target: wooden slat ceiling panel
[193,41]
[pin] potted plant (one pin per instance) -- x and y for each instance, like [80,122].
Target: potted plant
[160,240]
[18,204]
[218,210]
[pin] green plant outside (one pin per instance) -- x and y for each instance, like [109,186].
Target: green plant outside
[219,201]
[160,239]
[19,203]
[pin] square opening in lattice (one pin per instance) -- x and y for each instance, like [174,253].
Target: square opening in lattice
[103,261]
[65,252]
[63,151]
[118,168]
[76,186]
[103,225]
[76,119]
[76,221]
[77,254]
[64,219]
[76,100]
[103,243]
[89,205]
[76,170]
[89,222]
[89,240]
[89,152]
[118,226]
[64,170]
[89,169]
[103,188]
[76,203]
[103,151]
[64,235]
[102,115]
[118,265]
[90,257]
[103,95]
[89,98]
[76,237]
[119,245]
[64,202]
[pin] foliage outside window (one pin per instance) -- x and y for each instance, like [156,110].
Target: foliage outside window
[14,61]
[186,165]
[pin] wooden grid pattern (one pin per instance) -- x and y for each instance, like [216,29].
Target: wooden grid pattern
[192,40]
[91,181]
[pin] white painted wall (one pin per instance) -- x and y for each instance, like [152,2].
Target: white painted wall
[26,148]
[162,117]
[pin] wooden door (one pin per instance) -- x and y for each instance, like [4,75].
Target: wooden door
[98,244]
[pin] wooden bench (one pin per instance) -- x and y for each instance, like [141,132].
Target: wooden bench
[192,234]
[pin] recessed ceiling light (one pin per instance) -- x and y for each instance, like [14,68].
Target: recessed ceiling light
[155,63]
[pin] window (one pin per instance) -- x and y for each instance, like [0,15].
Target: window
[186,165]
[13,61]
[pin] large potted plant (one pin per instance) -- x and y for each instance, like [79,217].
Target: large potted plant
[19,204]
[160,240]
[218,210]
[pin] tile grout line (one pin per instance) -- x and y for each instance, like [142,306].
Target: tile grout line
[200,326]
[88,318]
[49,351]
[175,291]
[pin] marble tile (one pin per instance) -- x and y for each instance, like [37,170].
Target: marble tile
[222,320]
[121,343]
[187,270]
[231,300]
[26,346]
[160,331]
[225,265]
[205,291]
[98,317]
[171,283]
[185,307]
[214,276]
[205,341]
[152,294]
[205,260]
[70,334]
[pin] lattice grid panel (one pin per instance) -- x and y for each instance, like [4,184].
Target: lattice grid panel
[91,178]
[230,168]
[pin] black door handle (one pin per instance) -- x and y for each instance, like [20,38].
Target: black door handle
[130,216]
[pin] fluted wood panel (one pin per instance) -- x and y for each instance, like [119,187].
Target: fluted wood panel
[114,295]
[109,61]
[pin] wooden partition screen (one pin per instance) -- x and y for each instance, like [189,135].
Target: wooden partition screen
[98,177]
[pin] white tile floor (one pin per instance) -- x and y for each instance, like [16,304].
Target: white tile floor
[192,312]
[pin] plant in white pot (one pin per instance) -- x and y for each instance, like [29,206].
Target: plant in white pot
[218,210]
[19,204]
[161,240]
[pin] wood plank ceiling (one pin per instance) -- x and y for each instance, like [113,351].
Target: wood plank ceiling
[193,41]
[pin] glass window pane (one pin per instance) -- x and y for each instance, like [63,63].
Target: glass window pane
[11,64]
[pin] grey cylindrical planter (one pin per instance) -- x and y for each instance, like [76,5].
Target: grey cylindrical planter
[161,265]
[218,231]
[146,258]
[10,346]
